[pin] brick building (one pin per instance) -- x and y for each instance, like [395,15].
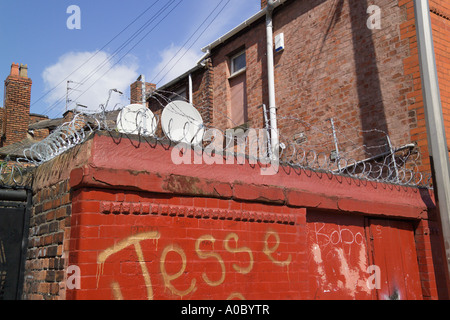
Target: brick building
[18,127]
[332,65]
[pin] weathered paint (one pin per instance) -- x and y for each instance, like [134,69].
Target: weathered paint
[162,249]
[395,253]
[339,250]
[149,229]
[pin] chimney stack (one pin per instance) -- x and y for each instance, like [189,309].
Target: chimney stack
[16,109]
[263,4]
[136,90]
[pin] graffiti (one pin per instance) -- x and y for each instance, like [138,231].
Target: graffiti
[204,249]
[217,256]
[135,241]
[340,258]
[235,237]
[339,236]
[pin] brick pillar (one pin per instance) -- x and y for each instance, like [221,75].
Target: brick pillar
[136,90]
[16,116]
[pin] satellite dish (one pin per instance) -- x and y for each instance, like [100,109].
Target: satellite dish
[181,122]
[136,119]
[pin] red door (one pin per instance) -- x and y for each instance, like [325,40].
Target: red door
[353,257]
[338,257]
[394,252]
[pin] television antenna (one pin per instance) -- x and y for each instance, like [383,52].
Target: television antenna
[70,89]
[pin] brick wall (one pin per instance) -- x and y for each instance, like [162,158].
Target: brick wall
[429,244]
[47,253]
[367,80]
[39,134]
[152,229]
[49,225]
[139,226]
[202,97]
[17,105]
[256,77]
[194,248]
[440,21]
[136,91]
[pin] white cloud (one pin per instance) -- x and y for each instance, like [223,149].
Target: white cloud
[174,62]
[89,69]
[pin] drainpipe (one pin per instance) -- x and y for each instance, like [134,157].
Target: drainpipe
[271,81]
[434,119]
[190,89]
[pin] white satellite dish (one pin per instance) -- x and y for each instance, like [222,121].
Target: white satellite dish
[181,122]
[136,119]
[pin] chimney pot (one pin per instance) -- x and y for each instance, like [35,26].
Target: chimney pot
[263,4]
[14,70]
[23,71]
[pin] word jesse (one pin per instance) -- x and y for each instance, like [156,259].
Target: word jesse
[204,250]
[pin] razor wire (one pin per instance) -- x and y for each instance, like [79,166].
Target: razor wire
[357,160]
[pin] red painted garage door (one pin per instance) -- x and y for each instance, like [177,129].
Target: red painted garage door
[353,257]
[394,252]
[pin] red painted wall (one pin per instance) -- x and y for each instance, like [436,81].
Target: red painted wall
[185,248]
[228,234]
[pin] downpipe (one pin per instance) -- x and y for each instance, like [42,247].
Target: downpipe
[271,83]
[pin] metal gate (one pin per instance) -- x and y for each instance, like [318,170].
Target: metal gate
[14,223]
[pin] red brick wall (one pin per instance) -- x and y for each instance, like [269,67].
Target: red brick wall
[150,228]
[47,254]
[159,230]
[136,91]
[202,98]
[36,118]
[440,20]
[332,66]
[193,248]
[254,43]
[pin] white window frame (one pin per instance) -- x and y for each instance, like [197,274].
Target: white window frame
[232,59]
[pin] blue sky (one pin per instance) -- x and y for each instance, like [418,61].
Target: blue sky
[36,33]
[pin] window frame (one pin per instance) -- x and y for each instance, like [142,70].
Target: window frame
[233,72]
[179,95]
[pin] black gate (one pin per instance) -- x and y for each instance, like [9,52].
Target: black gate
[14,223]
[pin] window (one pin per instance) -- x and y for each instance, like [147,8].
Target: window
[238,89]
[238,63]
[180,94]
